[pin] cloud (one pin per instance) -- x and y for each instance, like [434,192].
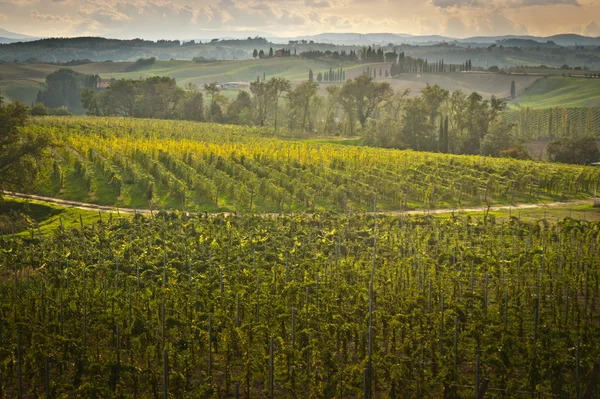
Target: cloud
[591,29]
[36,16]
[500,4]
[457,3]
[3,17]
[455,27]
[317,3]
[531,3]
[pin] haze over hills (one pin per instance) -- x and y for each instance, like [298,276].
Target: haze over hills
[404,38]
[352,38]
[12,37]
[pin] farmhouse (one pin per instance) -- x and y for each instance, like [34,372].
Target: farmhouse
[234,85]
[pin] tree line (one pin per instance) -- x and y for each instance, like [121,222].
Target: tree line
[437,120]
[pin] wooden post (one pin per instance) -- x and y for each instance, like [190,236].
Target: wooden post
[166,374]
[47,378]
[271,371]
[210,344]
[19,365]
[592,381]
[483,388]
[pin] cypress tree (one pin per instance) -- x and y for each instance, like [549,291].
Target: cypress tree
[446,147]
[441,136]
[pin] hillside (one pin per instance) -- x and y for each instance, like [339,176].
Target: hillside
[559,91]
[22,81]
[183,165]
[486,84]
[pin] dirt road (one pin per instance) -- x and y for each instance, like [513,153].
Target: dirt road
[102,208]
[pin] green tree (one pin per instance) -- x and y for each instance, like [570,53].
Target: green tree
[582,150]
[364,96]
[39,109]
[277,87]
[22,155]
[416,124]
[513,90]
[261,93]
[255,53]
[193,106]
[212,89]
[300,101]
[241,104]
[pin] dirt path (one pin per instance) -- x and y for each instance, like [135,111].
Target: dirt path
[102,208]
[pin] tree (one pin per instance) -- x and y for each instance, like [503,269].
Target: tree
[270,52]
[63,88]
[497,139]
[416,124]
[513,91]
[216,112]
[242,103]
[89,102]
[39,109]
[255,53]
[574,150]
[364,96]
[276,87]
[193,106]
[310,75]
[212,89]
[261,94]
[300,99]
[22,154]
[261,54]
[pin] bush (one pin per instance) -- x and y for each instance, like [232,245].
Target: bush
[39,109]
[515,153]
[581,151]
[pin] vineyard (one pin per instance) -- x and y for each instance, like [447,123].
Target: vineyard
[204,167]
[551,123]
[176,306]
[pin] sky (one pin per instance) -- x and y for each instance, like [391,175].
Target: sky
[197,19]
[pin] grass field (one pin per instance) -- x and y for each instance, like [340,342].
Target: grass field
[486,84]
[21,82]
[559,91]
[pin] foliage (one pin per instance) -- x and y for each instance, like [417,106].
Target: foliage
[63,89]
[23,152]
[207,302]
[198,166]
[581,151]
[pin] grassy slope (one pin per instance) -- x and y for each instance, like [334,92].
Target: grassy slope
[48,216]
[486,84]
[21,82]
[558,91]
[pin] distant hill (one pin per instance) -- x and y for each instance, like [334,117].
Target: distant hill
[527,43]
[403,38]
[10,37]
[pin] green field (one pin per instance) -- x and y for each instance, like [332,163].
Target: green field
[139,163]
[562,92]
[21,82]
[204,306]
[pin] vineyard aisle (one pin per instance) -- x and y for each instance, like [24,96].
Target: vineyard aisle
[101,208]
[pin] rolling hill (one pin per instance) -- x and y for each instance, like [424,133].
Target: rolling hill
[559,91]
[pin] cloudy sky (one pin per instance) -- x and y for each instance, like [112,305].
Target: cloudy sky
[189,19]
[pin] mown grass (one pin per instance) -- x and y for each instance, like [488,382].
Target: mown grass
[47,217]
[559,91]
